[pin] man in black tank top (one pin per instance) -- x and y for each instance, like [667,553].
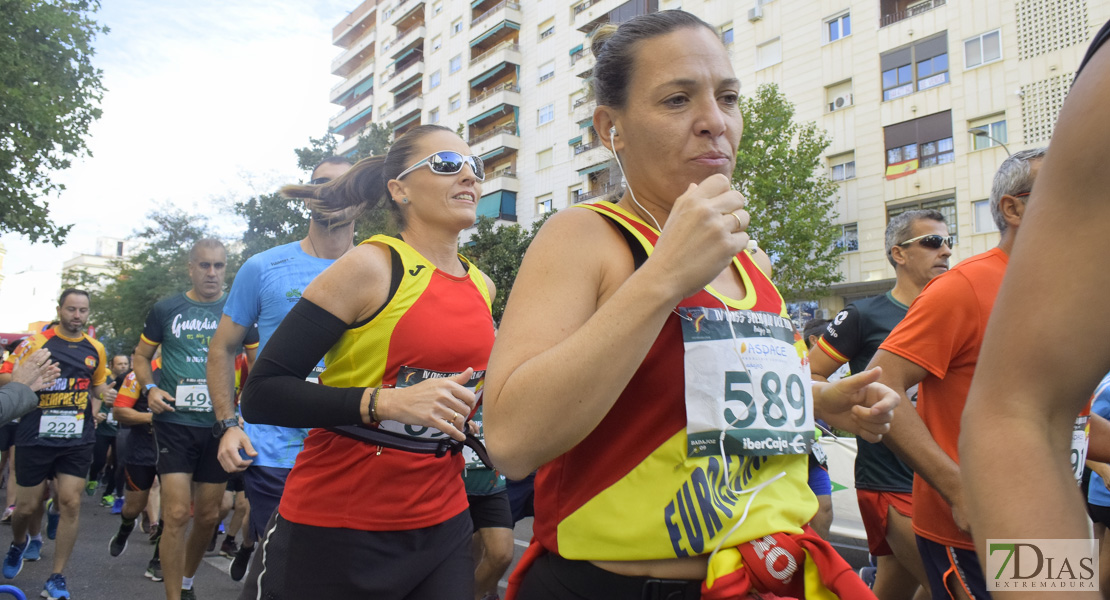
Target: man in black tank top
[1052,279]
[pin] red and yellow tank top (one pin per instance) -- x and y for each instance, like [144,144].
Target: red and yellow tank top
[435,322]
[628,491]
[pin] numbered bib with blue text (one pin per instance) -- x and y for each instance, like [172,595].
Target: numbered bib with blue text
[409,376]
[192,396]
[748,395]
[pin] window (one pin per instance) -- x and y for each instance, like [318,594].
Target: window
[433,115]
[456,26]
[839,95]
[547,28]
[945,206]
[925,64]
[454,103]
[984,220]
[547,70]
[994,129]
[838,27]
[923,142]
[437,43]
[768,53]
[545,115]
[454,65]
[433,80]
[437,8]
[726,34]
[849,237]
[573,194]
[983,49]
[842,166]
[543,159]
[543,204]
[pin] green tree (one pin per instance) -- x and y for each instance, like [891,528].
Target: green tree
[158,270]
[497,251]
[780,170]
[49,91]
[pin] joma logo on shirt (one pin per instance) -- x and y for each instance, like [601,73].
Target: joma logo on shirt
[293,293]
[180,325]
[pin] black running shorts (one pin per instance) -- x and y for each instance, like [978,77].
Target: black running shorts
[140,478]
[491,511]
[36,464]
[188,449]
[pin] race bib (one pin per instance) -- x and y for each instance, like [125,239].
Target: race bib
[314,376]
[469,455]
[1079,435]
[192,396]
[61,424]
[410,376]
[753,388]
[110,418]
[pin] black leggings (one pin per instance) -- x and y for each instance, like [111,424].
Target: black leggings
[100,461]
[553,577]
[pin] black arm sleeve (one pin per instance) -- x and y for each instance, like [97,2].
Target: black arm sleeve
[276,392]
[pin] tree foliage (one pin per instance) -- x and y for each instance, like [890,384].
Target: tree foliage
[158,270]
[49,91]
[779,168]
[497,251]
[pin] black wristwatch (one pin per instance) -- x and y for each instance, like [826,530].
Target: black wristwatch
[219,427]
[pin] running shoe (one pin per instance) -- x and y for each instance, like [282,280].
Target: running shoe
[119,541]
[34,550]
[867,574]
[52,518]
[55,587]
[106,500]
[155,533]
[7,518]
[189,594]
[154,570]
[90,487]
[228,548]
[239,564]
[13,562]
[117,506]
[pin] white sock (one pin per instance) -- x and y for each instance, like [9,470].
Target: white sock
[37,538]
[187,583]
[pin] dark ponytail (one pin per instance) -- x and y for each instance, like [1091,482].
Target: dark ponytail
[363,187]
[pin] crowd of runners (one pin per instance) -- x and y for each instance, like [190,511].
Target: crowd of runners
[646,395]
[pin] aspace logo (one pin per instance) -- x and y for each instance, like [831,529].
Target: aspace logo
[1049,565]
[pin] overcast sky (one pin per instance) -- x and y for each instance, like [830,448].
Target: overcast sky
[205,101]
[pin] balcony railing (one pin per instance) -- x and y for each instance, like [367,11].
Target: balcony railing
[581,101]
[481,137]
[583,6]
[590,195]
[489,13]
[505,87]
[580,148]
[577,56]
[402,34]
[502,173]
[916,9]
[506,45]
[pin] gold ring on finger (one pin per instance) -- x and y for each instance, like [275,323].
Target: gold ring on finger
[739,223]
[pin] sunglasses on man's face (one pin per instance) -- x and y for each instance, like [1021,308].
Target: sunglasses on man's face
[319,180]
[932,241]
[449,163]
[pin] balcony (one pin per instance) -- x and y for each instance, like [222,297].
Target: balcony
[407,13]
[583,109]
[351,27]
[507,52]
[503,180]
[491,23]
[591,13]
[406,40]
[354,56]
[340,120]
[404,108]
[507,93]
[893,11]
[589,155]
[347,145]
[585,66]
[498,205]
[405,77]
[498,137]
[339,90]
[597,193]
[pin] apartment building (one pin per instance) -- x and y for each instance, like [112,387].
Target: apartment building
[923,99]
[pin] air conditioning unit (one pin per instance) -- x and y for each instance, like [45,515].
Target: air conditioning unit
[755,13]
[840,102]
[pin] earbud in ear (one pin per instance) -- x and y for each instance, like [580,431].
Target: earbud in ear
[612,133]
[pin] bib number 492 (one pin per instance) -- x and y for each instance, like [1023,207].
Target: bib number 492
[740,405]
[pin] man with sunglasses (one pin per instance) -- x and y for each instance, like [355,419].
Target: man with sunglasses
[918,247]
[936,347]
[264,290]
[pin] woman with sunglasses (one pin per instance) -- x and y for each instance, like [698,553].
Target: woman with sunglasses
[617,333]
[405,330]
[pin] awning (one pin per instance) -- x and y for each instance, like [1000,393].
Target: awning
[489,113]
[601,166]
[491,72]
[497,204]
[576,49]
[361,88]
[407,87]
[498,151]
[586,123]
[404,56]
[496,28]
[575,141]
[475,4]
[344,124]
[401,124]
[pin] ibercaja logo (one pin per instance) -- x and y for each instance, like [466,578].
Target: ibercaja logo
[1048,565]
